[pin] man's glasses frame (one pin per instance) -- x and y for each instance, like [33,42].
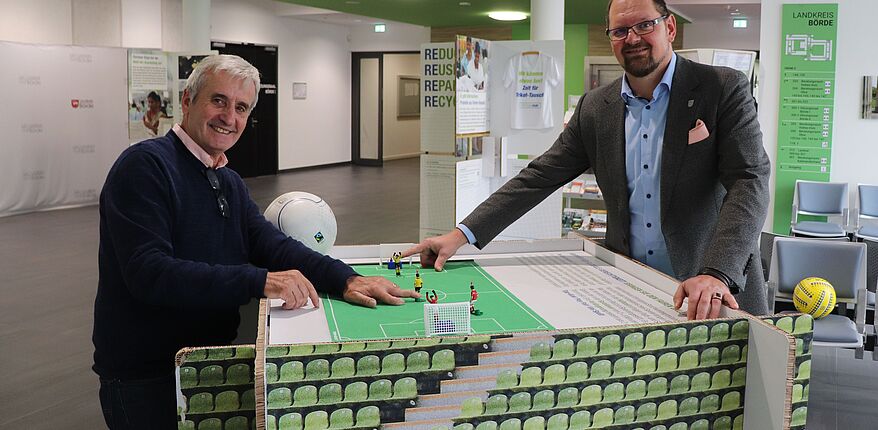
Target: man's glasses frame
[640,29]
[221,201]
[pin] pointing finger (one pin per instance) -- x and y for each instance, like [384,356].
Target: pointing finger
[414,250]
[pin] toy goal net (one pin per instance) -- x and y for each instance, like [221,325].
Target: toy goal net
[447,318]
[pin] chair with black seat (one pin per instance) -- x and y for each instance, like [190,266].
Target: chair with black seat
[843,264]
[829,199]
[872,284]
[871,270]
[866,210]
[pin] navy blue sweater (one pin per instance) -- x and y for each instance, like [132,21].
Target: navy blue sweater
[173,271]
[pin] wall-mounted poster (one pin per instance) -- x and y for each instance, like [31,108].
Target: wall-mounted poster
[471,71]
[186,63]
[408,97]
[150,111]
[870,97]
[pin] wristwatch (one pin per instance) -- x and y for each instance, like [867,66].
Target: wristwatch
[731,285]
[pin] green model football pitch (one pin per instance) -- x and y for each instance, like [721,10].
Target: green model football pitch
[500,310]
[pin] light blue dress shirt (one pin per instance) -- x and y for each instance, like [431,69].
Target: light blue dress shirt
[470,237]
[644,134]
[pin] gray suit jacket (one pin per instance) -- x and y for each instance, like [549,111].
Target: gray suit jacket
[714,193]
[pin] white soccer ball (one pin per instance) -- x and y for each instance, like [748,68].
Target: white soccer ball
[304,217]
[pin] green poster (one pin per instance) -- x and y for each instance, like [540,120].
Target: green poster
[807,98]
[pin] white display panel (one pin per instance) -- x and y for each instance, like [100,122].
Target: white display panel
[63,125]
[437,98]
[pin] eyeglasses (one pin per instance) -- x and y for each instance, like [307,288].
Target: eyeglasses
[640,29]
[221,201]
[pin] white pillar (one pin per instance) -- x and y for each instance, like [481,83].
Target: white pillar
[196,25]
[547,19]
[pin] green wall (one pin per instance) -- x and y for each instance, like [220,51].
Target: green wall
[575,50]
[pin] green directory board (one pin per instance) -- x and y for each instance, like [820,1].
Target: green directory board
[807,99]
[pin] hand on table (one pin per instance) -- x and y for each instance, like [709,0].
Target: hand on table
[704,292]
[292,287]
[435,251]
[369,290]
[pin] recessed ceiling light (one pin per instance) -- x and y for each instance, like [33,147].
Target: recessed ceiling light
[380,28]
[507,15]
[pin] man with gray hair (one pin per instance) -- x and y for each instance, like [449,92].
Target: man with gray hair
[182,246]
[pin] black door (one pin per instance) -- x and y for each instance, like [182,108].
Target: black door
[255,154]
[367,102]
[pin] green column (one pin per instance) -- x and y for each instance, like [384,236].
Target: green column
[575,50]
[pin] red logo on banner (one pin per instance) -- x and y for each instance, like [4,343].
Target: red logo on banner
[74,103]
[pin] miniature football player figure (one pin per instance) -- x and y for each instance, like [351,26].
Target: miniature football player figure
[432,299]
[473,296]
[419,283]
[396,262]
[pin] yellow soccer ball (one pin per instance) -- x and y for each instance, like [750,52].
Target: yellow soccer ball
[814,296]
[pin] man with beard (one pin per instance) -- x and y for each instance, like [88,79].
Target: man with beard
[677,151]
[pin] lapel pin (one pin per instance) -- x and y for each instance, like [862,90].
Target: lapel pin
[691,102]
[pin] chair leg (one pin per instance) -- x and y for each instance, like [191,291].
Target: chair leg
[771,299]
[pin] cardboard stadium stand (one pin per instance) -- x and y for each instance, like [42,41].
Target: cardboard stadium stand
[734,372]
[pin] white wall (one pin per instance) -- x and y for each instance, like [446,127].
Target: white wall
[311,132]
[720,34]
[398,37]
[172,23]
[854,145]
[317,130]
[97,22]
[402,137]
[142,24]
[36,21]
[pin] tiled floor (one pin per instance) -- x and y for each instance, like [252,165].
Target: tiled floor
[48,263]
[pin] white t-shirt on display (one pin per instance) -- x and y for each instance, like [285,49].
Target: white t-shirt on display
[531,78]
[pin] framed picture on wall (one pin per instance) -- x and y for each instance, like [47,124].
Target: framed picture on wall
[408,97]
[870,97]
